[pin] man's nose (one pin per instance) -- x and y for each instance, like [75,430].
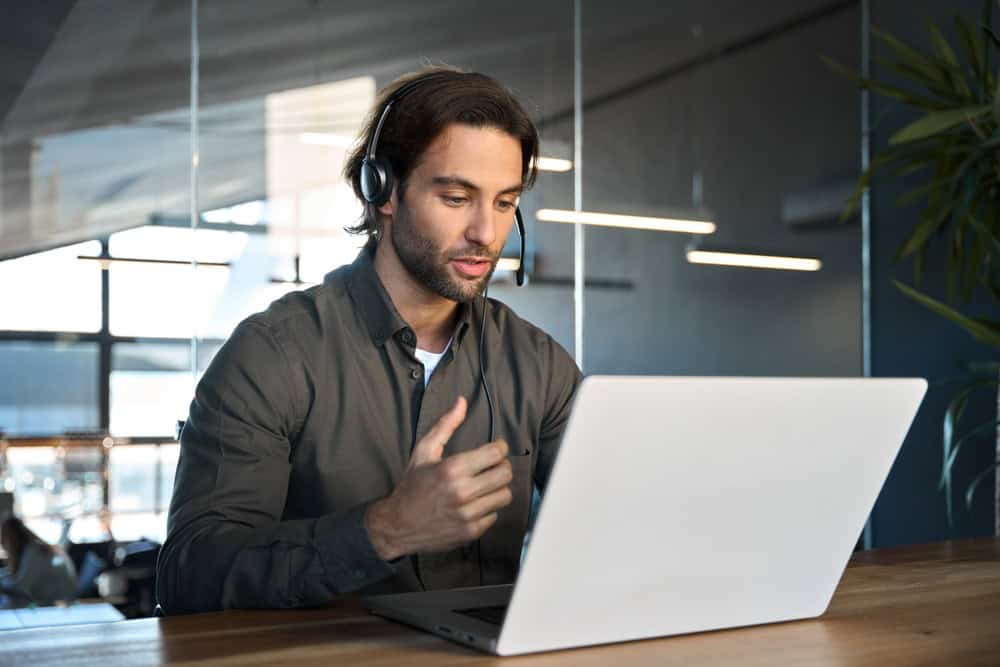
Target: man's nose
[482,226]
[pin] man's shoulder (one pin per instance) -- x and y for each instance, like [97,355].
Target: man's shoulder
[302,312]
[524,334]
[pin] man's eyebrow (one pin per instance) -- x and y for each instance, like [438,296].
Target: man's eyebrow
[468,185]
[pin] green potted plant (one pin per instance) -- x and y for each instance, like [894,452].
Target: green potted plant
[953,151]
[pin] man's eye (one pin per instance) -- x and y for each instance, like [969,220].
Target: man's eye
[506,205]
[455,201]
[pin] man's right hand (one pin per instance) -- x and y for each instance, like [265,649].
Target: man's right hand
[441,503]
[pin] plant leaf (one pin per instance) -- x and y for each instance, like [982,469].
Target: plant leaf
[985,331]
[911,57]
[992,240]
[972,44]
[948,83]
[893,92]
[918,264]
[941,44]
[970,268]
[912,167]
[953,414]
[971,491]
[938,121]
[916,193]
[931,221]
[988,426]
[876,163]
[954,252]
[989,33]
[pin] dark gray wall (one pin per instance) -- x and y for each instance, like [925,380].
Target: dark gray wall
[910,341]
[761,123]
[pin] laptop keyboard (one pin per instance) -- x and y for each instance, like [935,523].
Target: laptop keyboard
[492,615]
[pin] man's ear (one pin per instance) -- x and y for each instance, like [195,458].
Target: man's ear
[389,207]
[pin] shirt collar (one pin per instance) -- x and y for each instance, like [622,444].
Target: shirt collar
[376,306]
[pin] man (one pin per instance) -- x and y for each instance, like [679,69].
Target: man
[339,441]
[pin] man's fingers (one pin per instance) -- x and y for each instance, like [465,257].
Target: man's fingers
[490,480]
[487,504]
[482,525]
[482,458]
[430,448]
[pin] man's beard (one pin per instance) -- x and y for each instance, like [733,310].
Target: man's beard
[429,266]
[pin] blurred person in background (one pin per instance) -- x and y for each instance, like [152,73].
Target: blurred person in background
[36,573]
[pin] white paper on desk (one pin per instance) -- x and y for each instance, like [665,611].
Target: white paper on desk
[8,620]
[74,615]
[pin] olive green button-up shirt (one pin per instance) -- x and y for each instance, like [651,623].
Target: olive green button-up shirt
[309,413]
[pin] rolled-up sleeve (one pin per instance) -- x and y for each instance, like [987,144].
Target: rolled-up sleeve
[226,545]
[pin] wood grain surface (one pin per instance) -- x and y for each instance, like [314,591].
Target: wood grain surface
[937,604]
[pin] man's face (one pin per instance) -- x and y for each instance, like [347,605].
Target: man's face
[450,225]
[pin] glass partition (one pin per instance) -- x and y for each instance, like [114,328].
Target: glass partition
[721,112]
[282,119]
[160,188]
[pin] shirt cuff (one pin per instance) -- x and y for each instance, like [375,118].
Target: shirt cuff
[346,551]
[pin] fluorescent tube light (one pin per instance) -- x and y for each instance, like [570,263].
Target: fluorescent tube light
[508,264]
[627,221]
[554,164]
[754,261]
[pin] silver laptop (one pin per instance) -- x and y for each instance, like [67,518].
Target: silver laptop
[681,505]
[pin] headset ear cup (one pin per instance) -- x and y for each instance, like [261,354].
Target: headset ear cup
[371,181]
[385,170]
[376,181]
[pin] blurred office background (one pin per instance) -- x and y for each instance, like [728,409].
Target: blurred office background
[124,122]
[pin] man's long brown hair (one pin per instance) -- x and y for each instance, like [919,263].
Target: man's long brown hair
[450,96]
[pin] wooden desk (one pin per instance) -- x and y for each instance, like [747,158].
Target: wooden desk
[930,605]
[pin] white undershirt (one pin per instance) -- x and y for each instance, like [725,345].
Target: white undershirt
[430,360]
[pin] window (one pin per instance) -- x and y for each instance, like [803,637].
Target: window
[152,386]
[170,300]
[57,291]
[34,475]
[142,478]
[31,403]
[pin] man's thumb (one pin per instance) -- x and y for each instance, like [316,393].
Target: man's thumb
[430,448]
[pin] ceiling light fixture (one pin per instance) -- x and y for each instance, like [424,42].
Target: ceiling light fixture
[753,261]
[679,225]
[553,164]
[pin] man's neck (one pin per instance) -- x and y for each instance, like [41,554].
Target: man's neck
[431,316]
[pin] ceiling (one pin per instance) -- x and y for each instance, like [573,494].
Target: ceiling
[96,62]
[73,69]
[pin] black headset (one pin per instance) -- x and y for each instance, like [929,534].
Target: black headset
[376,175]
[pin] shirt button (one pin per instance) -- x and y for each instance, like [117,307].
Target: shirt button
[415,373]
[359,574]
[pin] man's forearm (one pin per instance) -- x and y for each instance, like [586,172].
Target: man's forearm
[219,565]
